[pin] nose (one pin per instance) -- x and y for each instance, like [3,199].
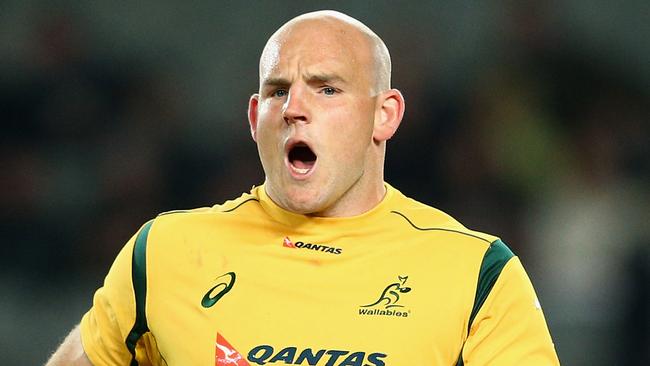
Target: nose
[295,107]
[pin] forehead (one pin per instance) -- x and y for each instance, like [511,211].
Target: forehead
[317,46]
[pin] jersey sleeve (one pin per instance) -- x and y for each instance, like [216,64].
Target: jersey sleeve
[106,326]
[510,328]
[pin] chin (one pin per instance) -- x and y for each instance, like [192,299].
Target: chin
[304,201]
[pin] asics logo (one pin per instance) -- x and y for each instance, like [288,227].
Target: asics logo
[217,291]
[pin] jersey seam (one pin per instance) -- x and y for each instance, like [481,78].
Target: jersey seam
[240,204]
[437,228]
[174,212]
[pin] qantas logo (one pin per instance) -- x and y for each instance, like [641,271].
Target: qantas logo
[227,354]
[226,282]
[287,243]
[264,354]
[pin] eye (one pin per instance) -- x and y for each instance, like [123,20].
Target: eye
[279,93]
[329,90]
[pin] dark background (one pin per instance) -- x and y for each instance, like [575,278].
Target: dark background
[528,120]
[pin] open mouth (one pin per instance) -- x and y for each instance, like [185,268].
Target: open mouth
[301,158]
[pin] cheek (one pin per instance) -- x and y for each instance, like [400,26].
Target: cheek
[355,129]
[268,133]
[267,124]
[265,114]
[349,140]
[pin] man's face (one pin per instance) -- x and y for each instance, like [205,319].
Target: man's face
[314,115]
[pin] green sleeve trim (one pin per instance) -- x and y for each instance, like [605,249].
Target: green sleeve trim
[460,359]
[494,259]
[139,280]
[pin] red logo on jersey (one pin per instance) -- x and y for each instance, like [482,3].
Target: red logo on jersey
[227,354]
[288,243]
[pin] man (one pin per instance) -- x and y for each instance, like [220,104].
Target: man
[325,263]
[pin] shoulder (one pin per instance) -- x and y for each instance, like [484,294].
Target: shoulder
[242,205]
[421,219]
[170,226]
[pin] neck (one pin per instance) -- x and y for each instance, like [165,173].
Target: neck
[362,196]
[355,201]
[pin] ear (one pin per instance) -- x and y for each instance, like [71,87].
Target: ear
[388,114]
[253,104]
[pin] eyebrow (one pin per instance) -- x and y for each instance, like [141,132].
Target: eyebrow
[311,78]
[276,82]
[324,78]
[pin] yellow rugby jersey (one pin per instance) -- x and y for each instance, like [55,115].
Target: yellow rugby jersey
[249,283]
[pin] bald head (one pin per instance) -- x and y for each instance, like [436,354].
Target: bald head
[357,43]
[325,84]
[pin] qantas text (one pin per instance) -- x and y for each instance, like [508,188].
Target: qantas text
[320,247]
[264,354]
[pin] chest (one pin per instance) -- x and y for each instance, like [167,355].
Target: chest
[309,301]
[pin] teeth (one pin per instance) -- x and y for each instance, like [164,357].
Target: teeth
[301,171]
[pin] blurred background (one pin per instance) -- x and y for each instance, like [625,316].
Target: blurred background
[529,120]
